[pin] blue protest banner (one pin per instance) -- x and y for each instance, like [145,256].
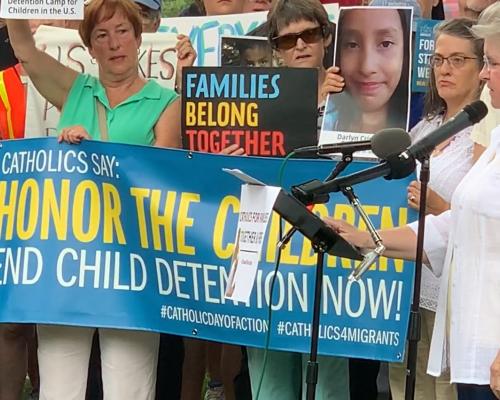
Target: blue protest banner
[424,48]
[112,235]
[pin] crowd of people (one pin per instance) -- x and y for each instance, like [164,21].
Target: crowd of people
[459,353]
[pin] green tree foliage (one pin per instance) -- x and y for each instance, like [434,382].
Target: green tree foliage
[172,8]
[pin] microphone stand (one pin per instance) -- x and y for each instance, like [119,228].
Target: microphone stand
[312,364]
[320,249]
[370,257]
[341,165]
[415,324]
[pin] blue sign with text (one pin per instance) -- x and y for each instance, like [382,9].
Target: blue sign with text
[111,235]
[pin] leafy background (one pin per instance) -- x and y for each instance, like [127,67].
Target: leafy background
[172,8]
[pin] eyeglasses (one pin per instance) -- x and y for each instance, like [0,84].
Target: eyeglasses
[489,64]
[454,61]
[286,42]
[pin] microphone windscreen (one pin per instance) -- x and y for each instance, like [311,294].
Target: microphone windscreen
[476,111]
[390,141]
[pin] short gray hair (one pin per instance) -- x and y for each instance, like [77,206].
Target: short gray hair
[489,22]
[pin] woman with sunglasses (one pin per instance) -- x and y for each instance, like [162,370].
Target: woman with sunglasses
[462,245]
[454,83]
[300,32]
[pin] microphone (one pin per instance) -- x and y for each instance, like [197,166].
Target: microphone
[390,141]
[470,115]
[329,148]
[392,168]
[383,143]
[400,166]
[386,144]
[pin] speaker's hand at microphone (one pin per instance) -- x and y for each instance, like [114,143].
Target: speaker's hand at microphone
[399,242]
[435,204]
[351,234]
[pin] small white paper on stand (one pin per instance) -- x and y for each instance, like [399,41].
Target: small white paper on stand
[55,9]
[256,207]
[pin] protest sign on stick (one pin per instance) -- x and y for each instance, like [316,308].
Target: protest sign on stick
[424,48]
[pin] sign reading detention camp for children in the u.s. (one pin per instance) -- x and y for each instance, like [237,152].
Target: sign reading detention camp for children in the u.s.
[261,110]
[41,9]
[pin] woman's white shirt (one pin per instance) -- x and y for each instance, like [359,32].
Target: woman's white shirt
[463,245]
[447,170]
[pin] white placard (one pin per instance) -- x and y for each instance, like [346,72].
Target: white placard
[256,207]
[205,32]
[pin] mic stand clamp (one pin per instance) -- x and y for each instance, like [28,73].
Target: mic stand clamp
[370,257]
[303,192]
[341,165]
[307,192]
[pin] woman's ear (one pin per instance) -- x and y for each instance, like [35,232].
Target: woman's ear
[327,40]
[327,35]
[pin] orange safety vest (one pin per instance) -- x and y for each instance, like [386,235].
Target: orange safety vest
[12,104]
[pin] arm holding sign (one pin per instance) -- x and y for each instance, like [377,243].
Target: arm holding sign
[186,56]
[168,128]
[52,79]
[73,134]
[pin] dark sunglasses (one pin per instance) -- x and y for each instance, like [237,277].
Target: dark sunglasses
[286,42]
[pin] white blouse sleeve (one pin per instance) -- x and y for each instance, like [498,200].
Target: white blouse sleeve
[437,229]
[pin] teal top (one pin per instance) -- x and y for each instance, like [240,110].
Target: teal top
[132,121]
